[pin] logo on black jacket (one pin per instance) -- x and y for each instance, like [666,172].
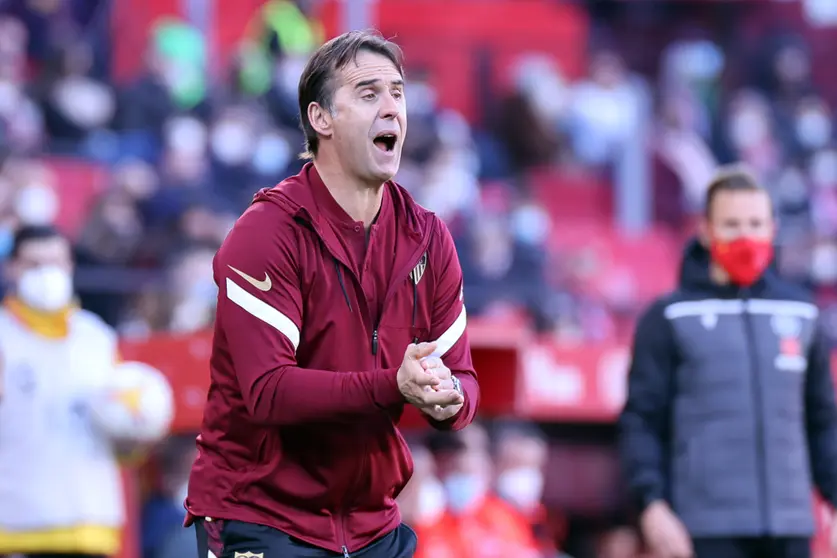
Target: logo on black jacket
[418,271]
[790,357]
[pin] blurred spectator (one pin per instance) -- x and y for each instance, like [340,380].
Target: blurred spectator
[286,28]
[193,291]
[683,151]
[503,263]
[173,82]
[21,122]
[476,523]
[787,80]
[521,455]
[186,150]
[531,117]
[162,514]
[604,109]
[50,446]
[422,502]
[78,109]
[208,149]
[751,133]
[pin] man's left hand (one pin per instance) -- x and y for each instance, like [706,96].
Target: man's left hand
[435,366]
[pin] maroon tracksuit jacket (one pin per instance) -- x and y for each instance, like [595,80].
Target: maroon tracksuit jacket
[300,426]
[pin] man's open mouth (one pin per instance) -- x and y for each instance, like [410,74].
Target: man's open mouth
[386,141]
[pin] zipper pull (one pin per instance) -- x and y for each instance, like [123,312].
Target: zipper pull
[374,345]
[345,552]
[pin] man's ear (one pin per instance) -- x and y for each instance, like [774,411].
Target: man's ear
[320,119]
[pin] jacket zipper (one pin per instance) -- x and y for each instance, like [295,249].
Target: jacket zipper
[375,342]
[390,291]
[758,402]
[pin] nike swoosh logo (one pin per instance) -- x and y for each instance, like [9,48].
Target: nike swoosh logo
[264,285]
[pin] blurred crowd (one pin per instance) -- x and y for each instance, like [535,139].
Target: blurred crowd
[184,155]
[476,493]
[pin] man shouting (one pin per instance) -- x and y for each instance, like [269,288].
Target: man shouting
[340,300]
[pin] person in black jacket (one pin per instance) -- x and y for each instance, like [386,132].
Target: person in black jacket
[730,418]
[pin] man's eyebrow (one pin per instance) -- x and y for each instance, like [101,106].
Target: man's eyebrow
[370,82]
[366,83]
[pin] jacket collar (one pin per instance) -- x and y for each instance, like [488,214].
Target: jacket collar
[296,195]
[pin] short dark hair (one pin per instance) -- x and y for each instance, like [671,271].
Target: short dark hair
[514,428]
[730,178]
[29,233]
[444,442]
[316,84]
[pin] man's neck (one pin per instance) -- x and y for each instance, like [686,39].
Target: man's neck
[360,200]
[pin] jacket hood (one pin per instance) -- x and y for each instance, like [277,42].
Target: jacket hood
[694,265]
[295,195]
[694,268]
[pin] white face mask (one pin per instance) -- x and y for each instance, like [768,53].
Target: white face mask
[748,128]
[10,97]
[232,142]
[522,487]
[823,169]
[431,501]
[813,129]
[531,224]
[36,204]
[824,264]
[186,135]
[464,491]
[272,154]
[46,288]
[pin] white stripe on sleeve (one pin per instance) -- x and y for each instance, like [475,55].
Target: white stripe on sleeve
[263,311]
[448,339]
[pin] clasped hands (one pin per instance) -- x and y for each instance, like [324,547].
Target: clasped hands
[426,382]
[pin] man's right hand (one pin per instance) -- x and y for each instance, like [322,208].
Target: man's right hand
[664,532]
[413,379]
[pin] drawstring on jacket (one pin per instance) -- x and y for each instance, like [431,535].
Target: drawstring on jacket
[415,308]
[415,302]
[342,283]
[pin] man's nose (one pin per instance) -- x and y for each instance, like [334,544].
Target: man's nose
[389,107]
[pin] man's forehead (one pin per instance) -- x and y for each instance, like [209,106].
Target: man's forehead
[742,202]
[369,66]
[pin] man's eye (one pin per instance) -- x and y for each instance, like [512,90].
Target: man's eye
[369,96]
[397,94]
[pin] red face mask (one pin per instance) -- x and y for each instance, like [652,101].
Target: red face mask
[744,259]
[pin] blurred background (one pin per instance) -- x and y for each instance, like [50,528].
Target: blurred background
[566,143]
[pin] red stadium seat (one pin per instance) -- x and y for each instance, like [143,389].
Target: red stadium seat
[572,194]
